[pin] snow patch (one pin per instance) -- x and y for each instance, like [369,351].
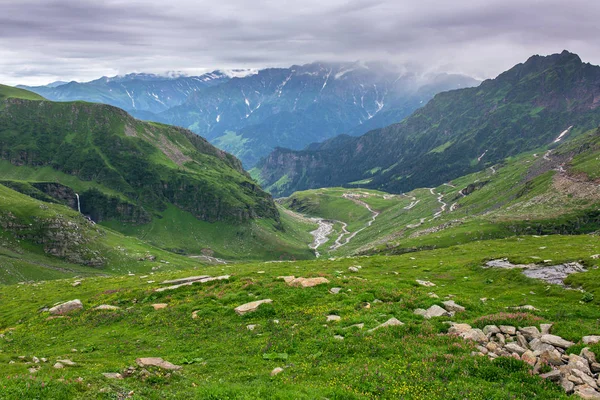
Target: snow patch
[559,138]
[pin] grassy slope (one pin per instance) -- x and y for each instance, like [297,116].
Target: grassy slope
[410,361]
[209,180]
[518,192]
[24,260]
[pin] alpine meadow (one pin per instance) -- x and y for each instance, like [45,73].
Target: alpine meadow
[346,200]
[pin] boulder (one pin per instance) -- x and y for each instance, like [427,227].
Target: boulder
[200,279]
[112,375]
[67,307]
[515,348]
[529,357]
[551,357]
[475,334]
[556,341]
[251,307]
[567,385]
[587,392]
[521,340]
[67,362]
[156,362]
[433,312]
[276,371]
[457,329]
[287,278]
[530,332]
[58,365]
[537,345]
[389,322]
[595,367]
[335,290]
[425,283]
[553,375]
[590,339]
[333,318]
[588,380]
[588,355]
[106,307]
[353,269]
[508,330]
[160,306]
[338,337]
[307,282]
[545,328]
[577,362]
[450,305]
[491,329]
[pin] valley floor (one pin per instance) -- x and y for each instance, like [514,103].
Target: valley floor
[226,355]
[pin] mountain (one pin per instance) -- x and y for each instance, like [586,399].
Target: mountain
[138,93]
[534,193]
[159,182]
[540,102]
[296,106]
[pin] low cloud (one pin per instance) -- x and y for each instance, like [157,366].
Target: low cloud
[45,40]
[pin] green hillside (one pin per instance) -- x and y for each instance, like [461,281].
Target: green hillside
[221,357]
[540,192]
[160,183]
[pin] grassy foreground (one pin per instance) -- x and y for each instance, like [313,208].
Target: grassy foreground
[223,359]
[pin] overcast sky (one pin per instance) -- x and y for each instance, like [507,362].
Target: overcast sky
[47,40]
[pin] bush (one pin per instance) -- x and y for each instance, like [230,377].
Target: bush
[587,297]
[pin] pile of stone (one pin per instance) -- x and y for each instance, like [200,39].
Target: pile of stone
[578,374]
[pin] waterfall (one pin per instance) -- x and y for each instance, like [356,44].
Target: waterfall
[78,206]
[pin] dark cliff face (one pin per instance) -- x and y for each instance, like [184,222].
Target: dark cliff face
[458,132]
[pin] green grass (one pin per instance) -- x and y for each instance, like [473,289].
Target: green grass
[12,92]
[411,361]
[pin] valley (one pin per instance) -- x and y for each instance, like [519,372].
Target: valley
[453,254]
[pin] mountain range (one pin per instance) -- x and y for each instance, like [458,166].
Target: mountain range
[537,103]
[250,113]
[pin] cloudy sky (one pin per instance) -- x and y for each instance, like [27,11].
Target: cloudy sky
[46,40]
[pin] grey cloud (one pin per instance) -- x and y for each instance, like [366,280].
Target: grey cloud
[43,40]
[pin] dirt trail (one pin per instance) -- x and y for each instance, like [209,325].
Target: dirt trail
[439,199]
[374,214]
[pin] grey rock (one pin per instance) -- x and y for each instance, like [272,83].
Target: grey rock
[588,380]
[450,305]
[545,328]
[553,375]
[567,385]
[530,332]
[112,375]
[106,307]
[475,334]
[491,329]
[515,348]
[551,357]
[587,392]
[67,307]
[335,290]
[251,307]
[425,283]
[276,371]
[67,362]
[353,269]
[521,340]
[338,337]
[389,322]
[529,357]
[500,338]
[508,330]
[556,341]
[580,363]
[457,329]
[595,367]
[434,311]
[538,345]
[588,355]
[156,362]
[590,339]
[58,365]
[333,318]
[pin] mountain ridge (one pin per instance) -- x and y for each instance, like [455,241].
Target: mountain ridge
[457,132]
